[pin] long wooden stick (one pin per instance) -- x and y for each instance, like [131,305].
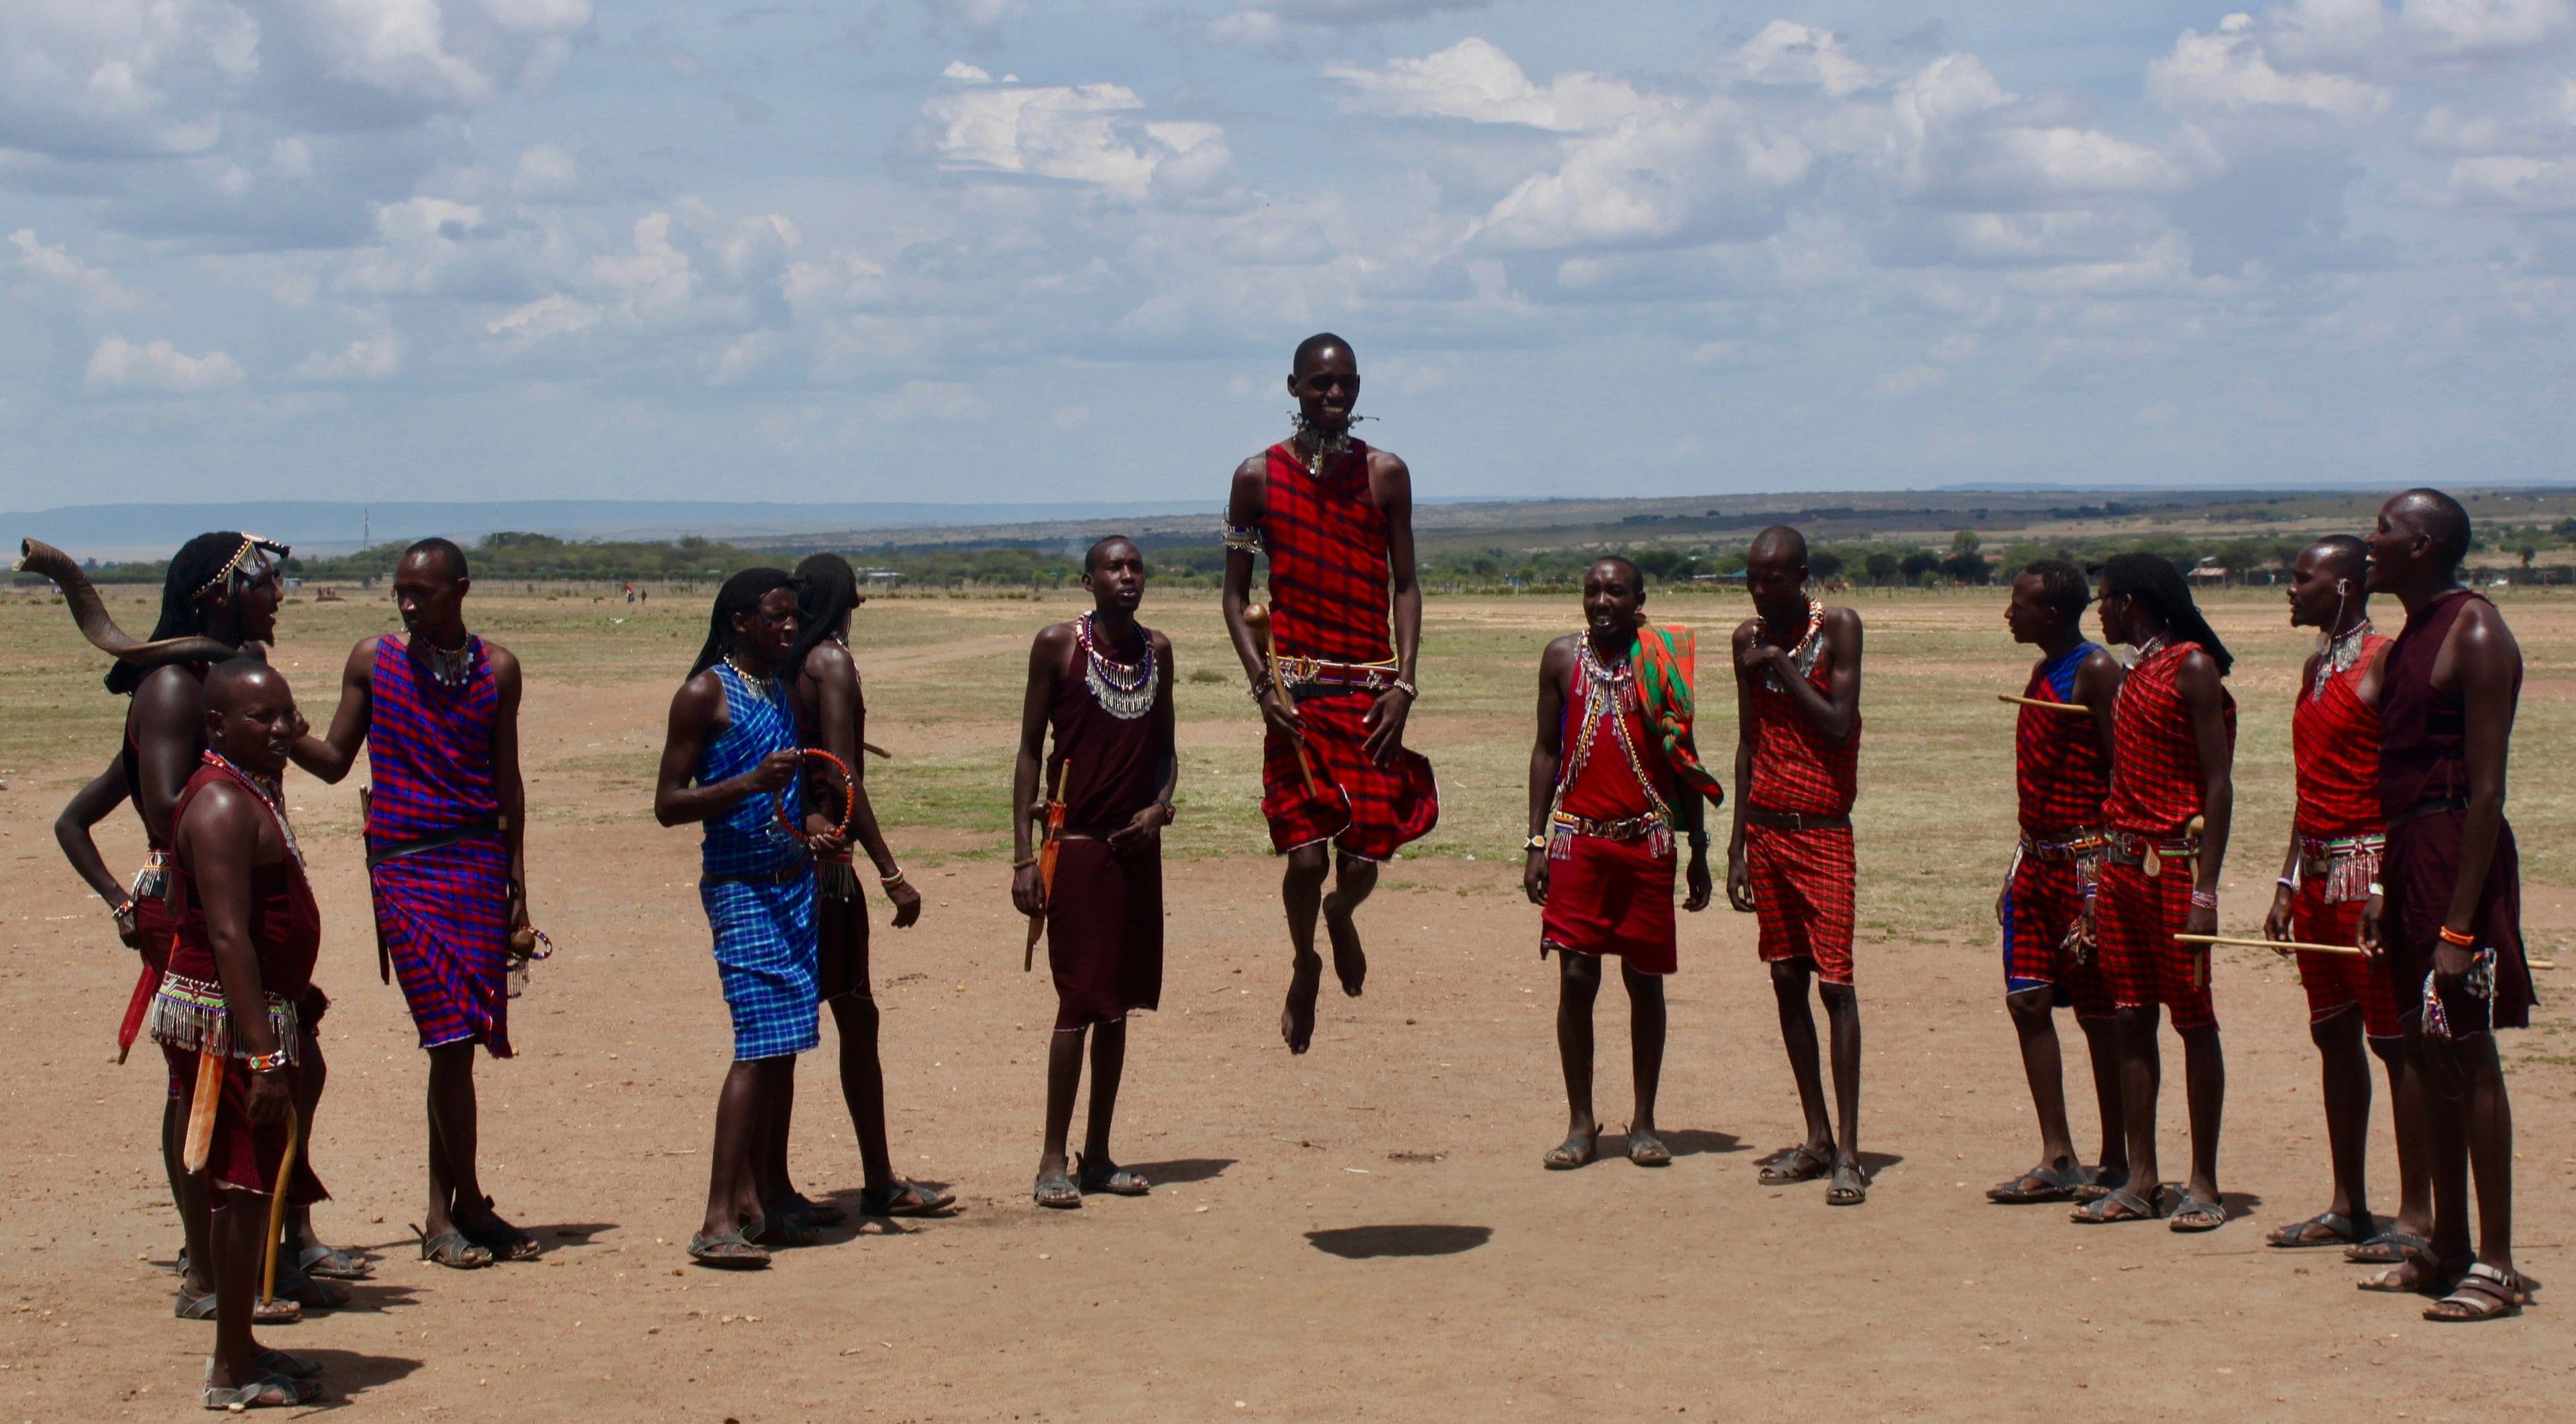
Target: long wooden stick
[2044,706]
[2241,941]
[277,1207]
[202,1107]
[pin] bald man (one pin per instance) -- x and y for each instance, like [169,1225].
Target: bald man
[1790,862]
[1335,519]
[2449,920]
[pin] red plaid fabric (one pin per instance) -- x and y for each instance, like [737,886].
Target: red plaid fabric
[2059,766]
[1611,897]
[2137,916]
[1802,895]
[2041,904]
[1327,549]
[2336,982]
[1364,809]
[2155,764]
[2334,745]
[1795,769]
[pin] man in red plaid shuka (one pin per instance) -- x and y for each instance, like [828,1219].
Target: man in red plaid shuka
[2061,771]
[1335,519]
[2336,840]
[2174,747]
[1797,762]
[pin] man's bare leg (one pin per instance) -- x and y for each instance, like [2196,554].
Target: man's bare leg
[1798,1035]
[238,1228]
[1646,1061]
[1578,984]
[308,1102]
[1064,1079]
[188,1193]
[1108,1066]
[2414,1153]
[2489,1124]
[2204,1069]
[2141,1077]
[2034,1021]
[2344,1089]
[454,1131]
[1353,879]
[1301,890]
[2102,1046]
[863,1085]
[1842,1007]
[733,1196]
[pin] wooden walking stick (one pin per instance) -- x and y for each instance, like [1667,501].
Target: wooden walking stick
[2245,942]
[1257,618]
[1049,835]
[202,1107]
[277,1207]
[2044,706]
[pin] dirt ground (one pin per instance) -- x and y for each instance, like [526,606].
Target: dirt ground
[1362,1231]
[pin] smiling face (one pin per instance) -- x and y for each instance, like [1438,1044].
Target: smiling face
[1326,387]
[1612,595]
[252,594]
[1116,576]
[2395,547]
[250,719]
[769,629]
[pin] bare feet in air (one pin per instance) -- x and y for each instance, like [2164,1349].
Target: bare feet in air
[1297,1020]
[1350,961]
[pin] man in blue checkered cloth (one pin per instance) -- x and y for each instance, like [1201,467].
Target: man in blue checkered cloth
[731,762]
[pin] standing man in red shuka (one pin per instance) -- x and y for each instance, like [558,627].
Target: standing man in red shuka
[2062,773]
[1615,779]
[1790,863]
[2336,839]
[1336,521]
[2172,796]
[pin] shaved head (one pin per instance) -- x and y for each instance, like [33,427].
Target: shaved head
[2440,519]
[2343,554]
[1099,551]
[235,680]
[1312,349]
[1779,542]
[1636,576]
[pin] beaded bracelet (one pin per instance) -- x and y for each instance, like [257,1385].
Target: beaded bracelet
[267,1062]
[2204,899]
[1408,689]
[2288,884]
[891,881]
[1535,843]
[2459,939]
[1024,864]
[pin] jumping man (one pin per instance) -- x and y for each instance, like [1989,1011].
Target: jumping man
[1336,520]
[2336,840]
[438,713]
[832,715]
[1789,860]
[2450,923]
[731,748]
[2172,792]
[2062,768]
[1614,776]
[1103,685]
[237,1000]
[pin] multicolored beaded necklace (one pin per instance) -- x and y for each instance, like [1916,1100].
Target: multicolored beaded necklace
[1123,690]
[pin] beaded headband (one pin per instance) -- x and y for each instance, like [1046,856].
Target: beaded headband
[251,543]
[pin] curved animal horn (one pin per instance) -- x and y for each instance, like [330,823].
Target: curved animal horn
[35,556]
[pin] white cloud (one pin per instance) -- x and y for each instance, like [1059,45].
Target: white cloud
[555,315]
[98,291]
[121,365]
[375,356]
[1786,52]
[2231,70]
[965,73]
[545,171]
[1476,81]
[928,400]
[980,17]
[2459,27]
[1912,380]
[2511,183]
[1077,133]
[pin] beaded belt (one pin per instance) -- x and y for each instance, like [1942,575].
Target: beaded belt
[192,1016]
[1296,672]
[2347,864]
[2148,853]
[2072,845]
[1655,828]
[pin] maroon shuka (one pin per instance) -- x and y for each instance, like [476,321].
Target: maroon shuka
[2423,791]
[1104,910]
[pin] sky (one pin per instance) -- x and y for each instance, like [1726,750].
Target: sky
[984,250]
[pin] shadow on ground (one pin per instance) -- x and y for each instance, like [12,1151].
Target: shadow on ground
[1365,1243]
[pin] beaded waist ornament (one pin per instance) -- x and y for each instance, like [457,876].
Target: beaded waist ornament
[191,1016]
[2349,864]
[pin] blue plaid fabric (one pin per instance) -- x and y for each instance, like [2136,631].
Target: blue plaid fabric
[765,942]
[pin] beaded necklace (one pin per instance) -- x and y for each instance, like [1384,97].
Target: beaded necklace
[271,795]
[1810,646]
[451,668]
[1123,690]
[2338,655]
[1607,691]
[1320,447]
[765,688]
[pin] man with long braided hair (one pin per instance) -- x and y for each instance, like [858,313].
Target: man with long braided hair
[832,716]
[2172,794]
[730,749]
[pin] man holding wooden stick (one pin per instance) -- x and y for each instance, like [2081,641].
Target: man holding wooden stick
[1102,684]
[2450,918]
[2170,804]
[2336,838]
[2061,770]
[231,1014]
[1335,519]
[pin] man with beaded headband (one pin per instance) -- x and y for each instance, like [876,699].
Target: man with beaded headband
[219,600]
[1789,861]
[2446,914]
[438,713]
[1615,779]
[1335,519]
[2336,840]
[1102,684]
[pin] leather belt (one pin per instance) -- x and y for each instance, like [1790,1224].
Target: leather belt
[2422,809]
[1794,821]
[435,840]
[2066,845]
[787,874]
